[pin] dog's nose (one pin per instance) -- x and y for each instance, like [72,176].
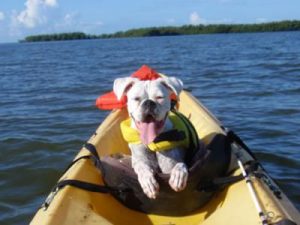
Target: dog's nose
[149,105]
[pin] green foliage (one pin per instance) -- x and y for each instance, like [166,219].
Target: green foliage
[288,25]
[58,37]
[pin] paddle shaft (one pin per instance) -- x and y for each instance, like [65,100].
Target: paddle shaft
[251,189]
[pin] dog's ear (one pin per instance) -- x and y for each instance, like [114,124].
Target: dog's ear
[122,86]
[173,83]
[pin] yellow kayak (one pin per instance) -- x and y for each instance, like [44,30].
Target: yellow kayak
[232,205]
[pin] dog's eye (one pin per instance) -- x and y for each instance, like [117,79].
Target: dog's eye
[137,99]
[159,97]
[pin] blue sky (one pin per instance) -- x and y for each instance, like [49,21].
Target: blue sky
[19,18]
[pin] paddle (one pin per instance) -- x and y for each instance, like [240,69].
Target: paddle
[249,183]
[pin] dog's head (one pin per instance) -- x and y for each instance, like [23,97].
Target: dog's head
[148,102]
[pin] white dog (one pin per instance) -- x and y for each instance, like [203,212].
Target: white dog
[148,105]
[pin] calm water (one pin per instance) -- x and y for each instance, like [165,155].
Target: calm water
[251,82]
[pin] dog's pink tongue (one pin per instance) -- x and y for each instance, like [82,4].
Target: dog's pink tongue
[148,132]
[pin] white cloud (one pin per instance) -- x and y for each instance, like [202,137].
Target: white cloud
[33,14]
[69,18]
[72,22]
[51,3]
[44,16]
[68,22]
[195,19]
[2,16]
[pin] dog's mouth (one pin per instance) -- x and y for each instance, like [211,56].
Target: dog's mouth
[149,128]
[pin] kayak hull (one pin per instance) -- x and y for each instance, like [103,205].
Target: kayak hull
[233,205]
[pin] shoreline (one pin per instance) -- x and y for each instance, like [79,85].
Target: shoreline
[289,25]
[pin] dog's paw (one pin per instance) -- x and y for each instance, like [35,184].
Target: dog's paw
[178,177]
[149,184]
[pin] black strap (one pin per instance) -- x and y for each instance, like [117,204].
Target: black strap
[75,161]
[232,137]
[95,156]
[86,186]
[171,135]
[82,184]
[216,183]
[92,149]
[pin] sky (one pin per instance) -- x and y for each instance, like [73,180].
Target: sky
[20,18]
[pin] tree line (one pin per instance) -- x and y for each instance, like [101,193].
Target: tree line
[58,37]
[290,25]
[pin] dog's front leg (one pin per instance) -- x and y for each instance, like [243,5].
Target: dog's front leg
[171,162]
[178,177]
[144,165]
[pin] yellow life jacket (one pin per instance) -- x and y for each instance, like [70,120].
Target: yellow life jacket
[183,134]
